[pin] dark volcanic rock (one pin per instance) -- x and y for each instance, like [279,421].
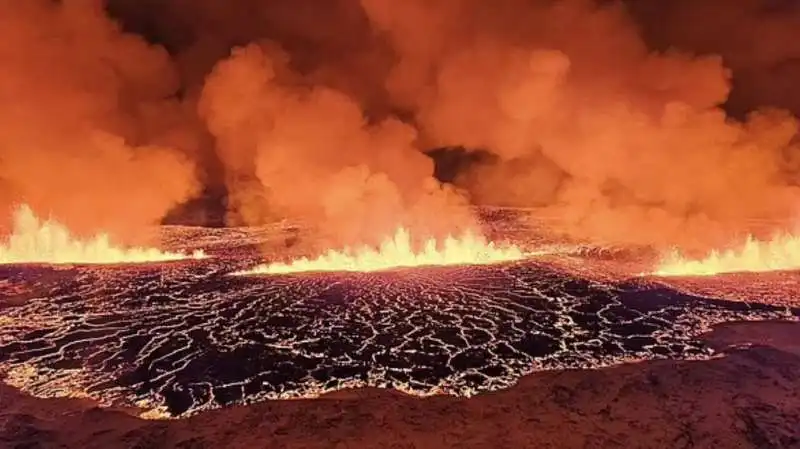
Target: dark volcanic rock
[188,338]
[749,398]
[191,337]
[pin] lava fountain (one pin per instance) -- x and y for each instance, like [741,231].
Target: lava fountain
[397,252]
[35,241]
[782,252]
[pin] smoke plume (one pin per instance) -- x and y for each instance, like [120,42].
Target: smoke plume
[619,143]
[596,113]
[89,133]
[756,39]
[291,149]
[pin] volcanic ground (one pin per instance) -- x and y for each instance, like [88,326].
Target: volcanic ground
[182,337]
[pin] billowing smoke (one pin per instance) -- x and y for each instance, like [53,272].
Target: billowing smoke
[756,39]
[291,149]
[617,142]
[322,111]
[89,132]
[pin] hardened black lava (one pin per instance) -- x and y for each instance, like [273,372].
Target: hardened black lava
[188,336]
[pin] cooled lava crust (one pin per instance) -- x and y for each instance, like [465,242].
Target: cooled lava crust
[187,336]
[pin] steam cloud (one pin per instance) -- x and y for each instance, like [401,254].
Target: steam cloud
[321,111]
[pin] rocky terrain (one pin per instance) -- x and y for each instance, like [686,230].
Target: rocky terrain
[745,398]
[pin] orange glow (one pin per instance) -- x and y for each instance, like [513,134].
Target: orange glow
[780,253]
[36,241]
[397,251]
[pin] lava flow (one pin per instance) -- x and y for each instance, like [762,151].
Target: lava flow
[50,242]
[780,253]
[396,252]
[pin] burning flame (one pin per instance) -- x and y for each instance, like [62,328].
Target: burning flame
[397,252]
[780,253]
[34,241]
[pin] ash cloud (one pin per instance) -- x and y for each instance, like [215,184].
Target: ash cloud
[599,114]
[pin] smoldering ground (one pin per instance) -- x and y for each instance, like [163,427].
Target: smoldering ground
[626,128]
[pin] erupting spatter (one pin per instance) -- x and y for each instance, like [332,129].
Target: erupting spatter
[395,252]
[780,253]
[50,242]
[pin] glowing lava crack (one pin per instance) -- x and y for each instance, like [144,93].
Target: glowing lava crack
[178,339]
[469,249]
[49,242]
[780,253]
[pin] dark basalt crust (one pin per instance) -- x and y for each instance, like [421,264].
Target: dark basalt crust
[747,398]
[187,336]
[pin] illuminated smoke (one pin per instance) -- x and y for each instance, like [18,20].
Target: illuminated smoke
[756,39]
[321,113]
[87,124]
[618,142]
[296,150]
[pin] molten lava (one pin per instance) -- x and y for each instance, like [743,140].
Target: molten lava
[35,241]
[780,253]
[396,252]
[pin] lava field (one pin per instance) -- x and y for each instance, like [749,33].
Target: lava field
[182,337]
